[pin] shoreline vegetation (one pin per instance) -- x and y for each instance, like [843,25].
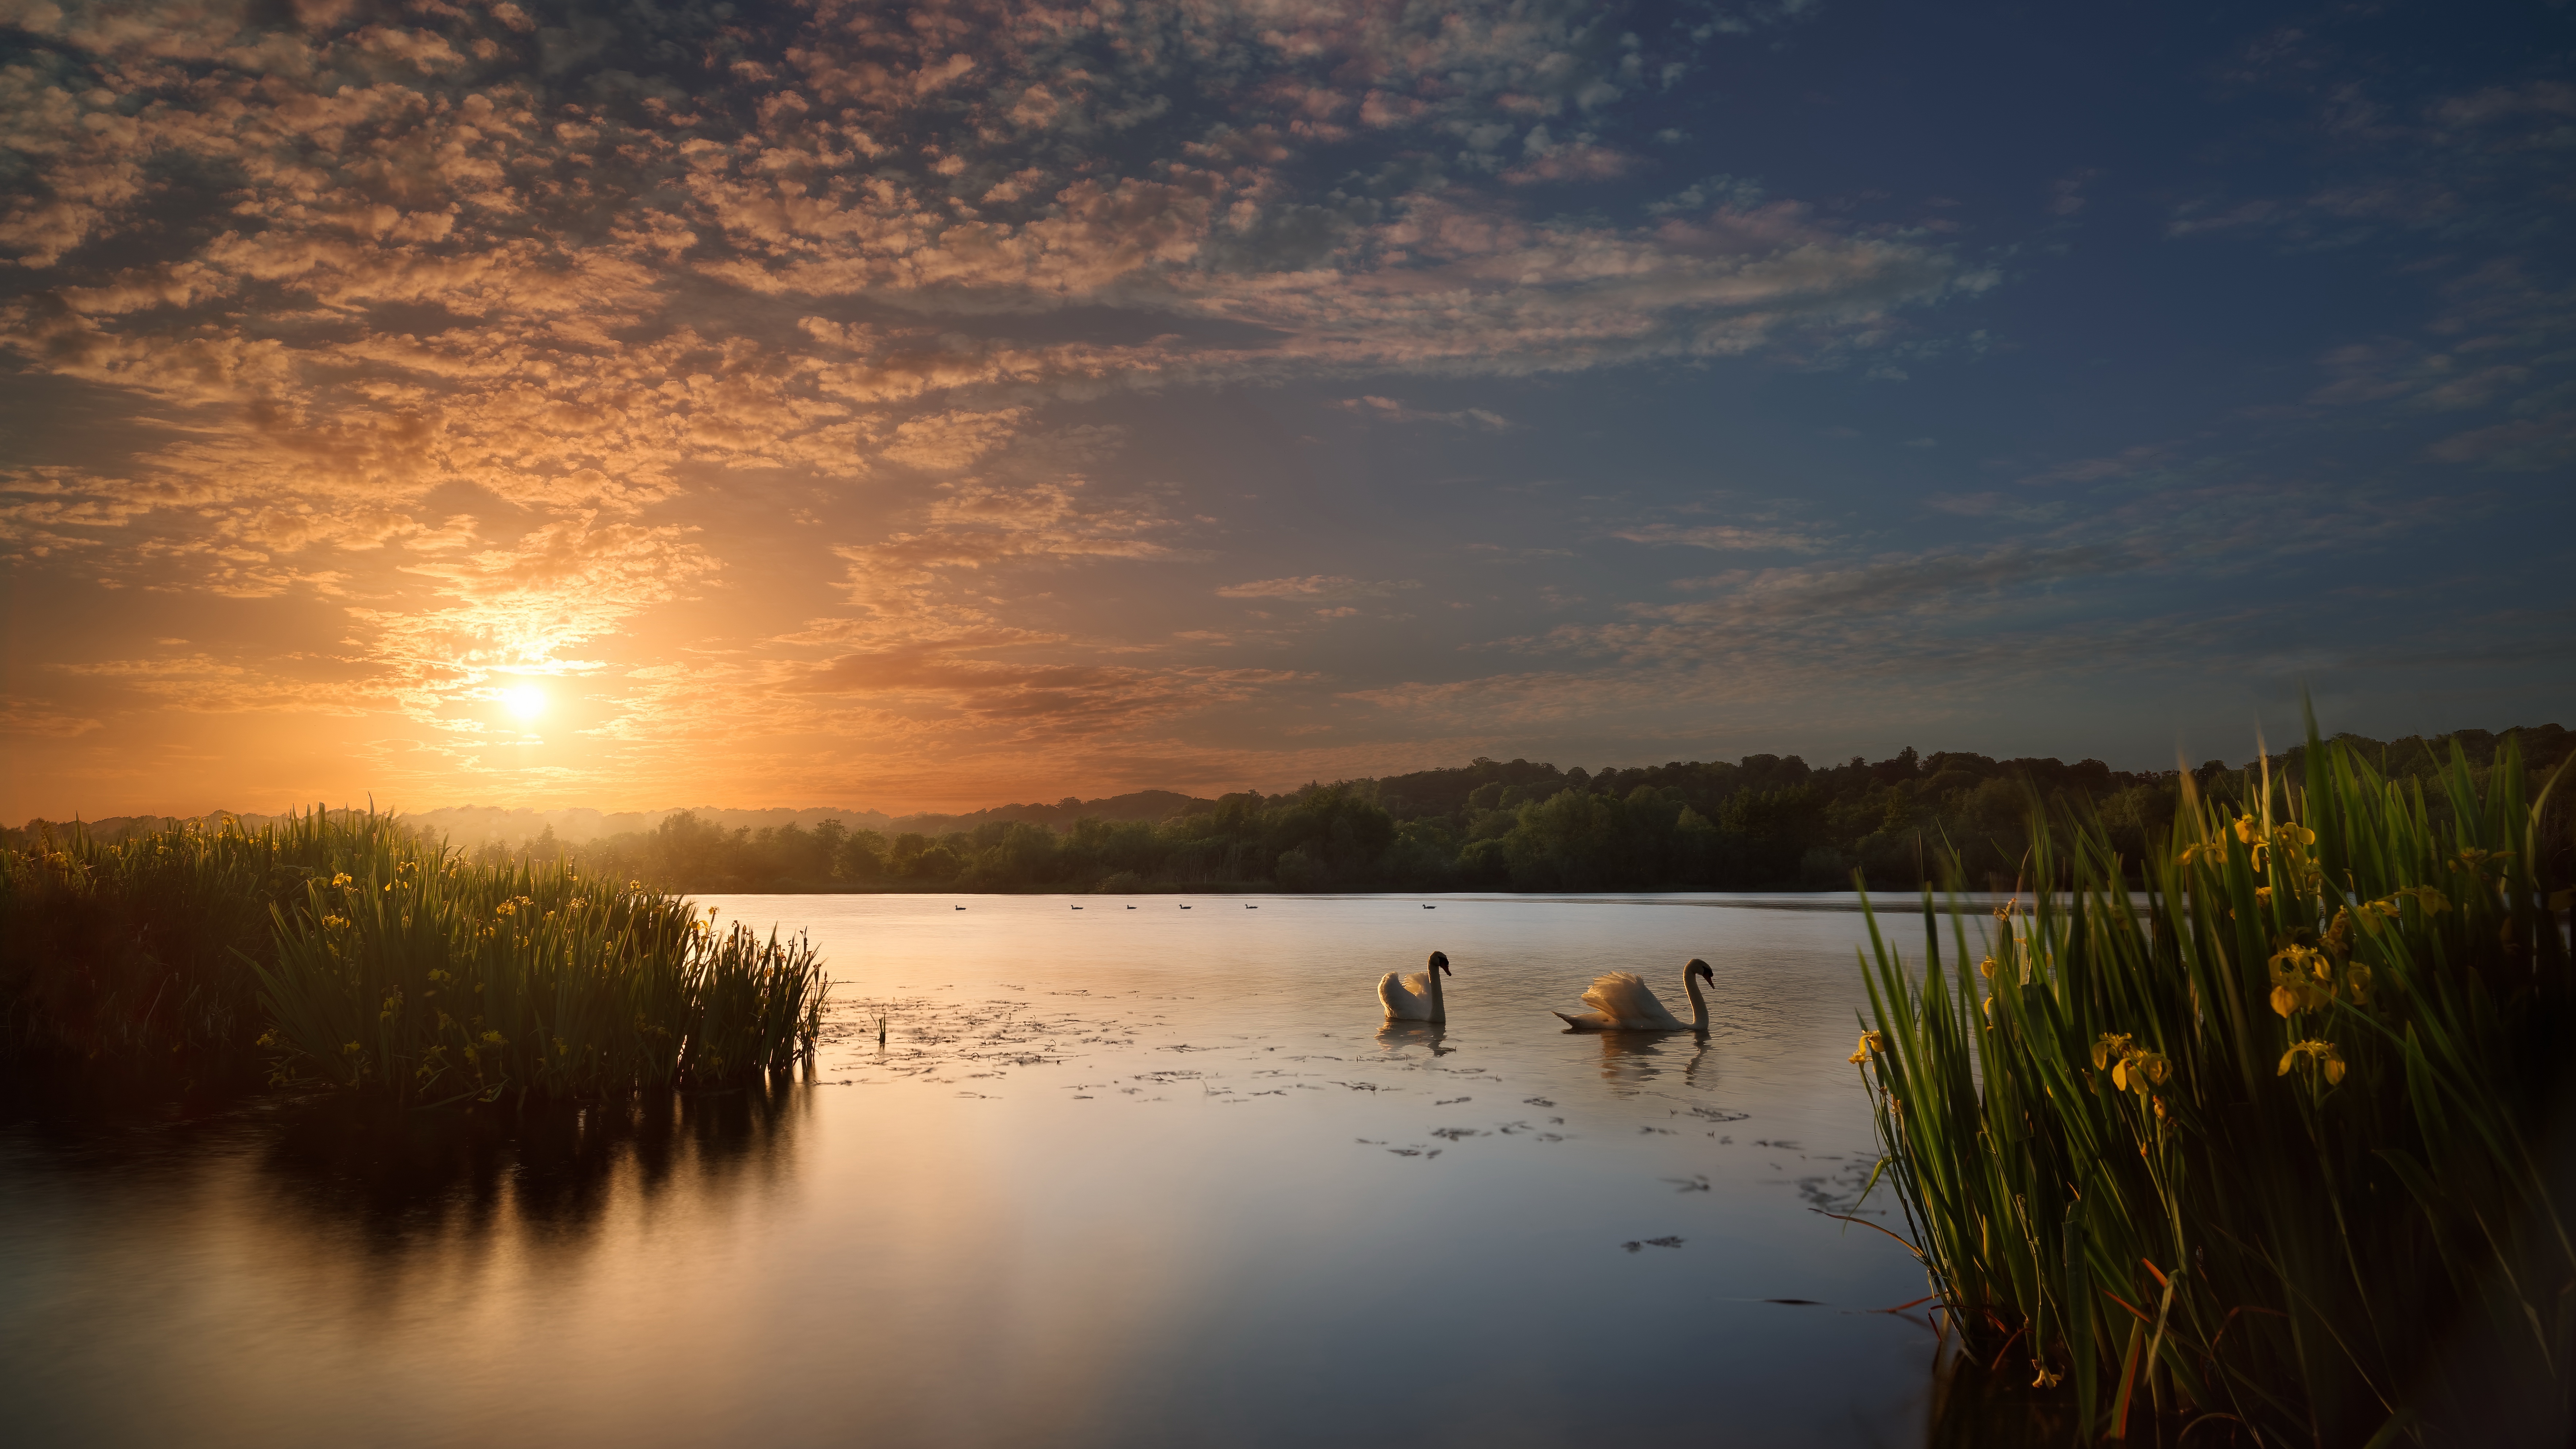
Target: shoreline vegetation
[339,950]
[2278,1139]
[1765,822]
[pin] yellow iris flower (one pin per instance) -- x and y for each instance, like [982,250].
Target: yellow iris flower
[2321,1054]
[2133,1068]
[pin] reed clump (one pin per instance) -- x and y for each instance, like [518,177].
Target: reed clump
[346,952]
[2266,1142]
[130,955]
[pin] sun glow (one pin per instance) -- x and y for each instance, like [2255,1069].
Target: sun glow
[524,700]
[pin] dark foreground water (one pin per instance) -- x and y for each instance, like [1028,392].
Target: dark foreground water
[1118,1177]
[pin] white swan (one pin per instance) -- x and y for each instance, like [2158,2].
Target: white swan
[1621,1001]
[1415,997]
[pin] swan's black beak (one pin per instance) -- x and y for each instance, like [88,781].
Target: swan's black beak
[1701,968]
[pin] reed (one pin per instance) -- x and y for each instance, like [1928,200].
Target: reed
[2266,1140]
[438,982]
[349,953]
[129,955]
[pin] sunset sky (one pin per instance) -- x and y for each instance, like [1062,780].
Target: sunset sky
[650,404]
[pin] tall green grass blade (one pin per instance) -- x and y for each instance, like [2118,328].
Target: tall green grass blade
[2285,1076]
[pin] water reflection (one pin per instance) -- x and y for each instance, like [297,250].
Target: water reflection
[401,1178]
[1396,1036]
[1631,1059]
[1076,1197]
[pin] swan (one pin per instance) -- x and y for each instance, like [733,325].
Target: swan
[1416,997]
[1621,1001]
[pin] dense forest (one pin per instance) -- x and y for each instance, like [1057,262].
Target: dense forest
[1765,822]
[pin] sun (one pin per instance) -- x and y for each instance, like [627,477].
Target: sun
[524,700]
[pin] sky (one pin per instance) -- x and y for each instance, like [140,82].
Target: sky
[926,406]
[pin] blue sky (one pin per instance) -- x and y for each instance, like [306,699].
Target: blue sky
[886,406]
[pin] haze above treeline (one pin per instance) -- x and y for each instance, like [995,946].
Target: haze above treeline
[1761,822]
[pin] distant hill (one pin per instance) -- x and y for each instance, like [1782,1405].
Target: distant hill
[1453,792]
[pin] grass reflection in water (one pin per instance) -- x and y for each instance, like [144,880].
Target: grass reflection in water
[554,1167]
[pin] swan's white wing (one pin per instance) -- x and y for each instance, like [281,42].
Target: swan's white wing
[1624,997]
[1406,998]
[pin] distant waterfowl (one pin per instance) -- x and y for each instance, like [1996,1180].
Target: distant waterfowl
[1621,1001]
[1185,905]
[1249,906]
[961,908]
[1131,908]
[1077,908]
[1426,905]
[1416,997]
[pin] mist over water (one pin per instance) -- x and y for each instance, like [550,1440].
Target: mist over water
[1117,1177]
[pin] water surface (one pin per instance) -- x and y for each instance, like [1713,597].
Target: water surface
[1118,1177]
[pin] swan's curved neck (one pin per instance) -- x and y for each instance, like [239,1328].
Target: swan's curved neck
[1699,1003]
[1439,1012]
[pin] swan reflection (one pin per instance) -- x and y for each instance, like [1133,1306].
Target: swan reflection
[1629,1057]
[1396,1036]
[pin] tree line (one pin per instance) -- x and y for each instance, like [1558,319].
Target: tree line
[1764,822]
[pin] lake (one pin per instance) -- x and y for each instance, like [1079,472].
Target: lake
[1149,1176]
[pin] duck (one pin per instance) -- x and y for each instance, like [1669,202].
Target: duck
[1622,1001]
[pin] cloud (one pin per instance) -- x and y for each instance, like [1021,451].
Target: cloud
[1723,537]
[1317,587]
[2538,442]
[1388,410]
[950,441]
[528,606]
[934,574]
[1030,700]
[204,683]
[1579,161]
[2123,464]
[1943,580]
[28,717]
[2066,193]
[732,366]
